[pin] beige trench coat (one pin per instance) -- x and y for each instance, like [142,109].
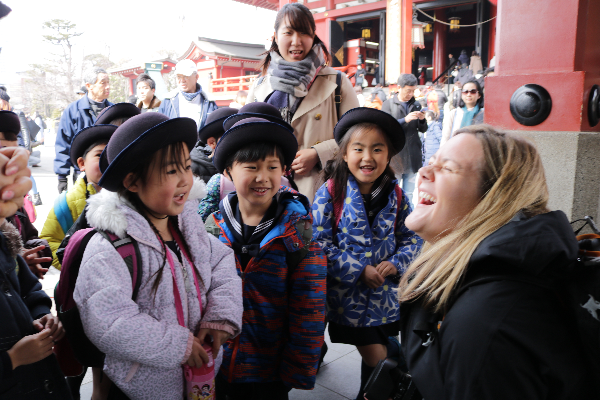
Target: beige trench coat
[314,120]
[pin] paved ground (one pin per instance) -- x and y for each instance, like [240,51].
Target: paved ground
[339,377]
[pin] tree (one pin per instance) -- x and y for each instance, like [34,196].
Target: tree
[62,33]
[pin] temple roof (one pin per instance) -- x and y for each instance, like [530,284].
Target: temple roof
[222,48]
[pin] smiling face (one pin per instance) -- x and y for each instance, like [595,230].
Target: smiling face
[367,156]
[293,45]
[256,182]
[469,98]
[166,187]
[450,187]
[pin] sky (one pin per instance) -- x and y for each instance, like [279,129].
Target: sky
[126,29]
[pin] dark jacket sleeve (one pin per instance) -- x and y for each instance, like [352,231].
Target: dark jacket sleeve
[36,300]
[62,146]
[385,107]
[5,365]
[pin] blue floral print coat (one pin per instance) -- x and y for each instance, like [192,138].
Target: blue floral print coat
[356,244]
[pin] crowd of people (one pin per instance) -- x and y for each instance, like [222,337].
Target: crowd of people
[258,226]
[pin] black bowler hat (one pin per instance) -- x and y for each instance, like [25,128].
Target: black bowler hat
[137,139]
[213,126]
[9,122]
[87,137]
[255,130]
[390,125]
[119,110]
[256,110]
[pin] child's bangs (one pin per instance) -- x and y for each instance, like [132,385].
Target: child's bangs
[359,130]
[255,152]
[174,155]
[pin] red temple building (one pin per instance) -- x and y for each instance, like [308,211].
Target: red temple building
[224,68]
[381,31]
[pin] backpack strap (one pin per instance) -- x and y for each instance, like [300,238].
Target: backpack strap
[129,250]
[62,212]
[338,94]
[337,206]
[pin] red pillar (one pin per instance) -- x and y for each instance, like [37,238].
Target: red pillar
[554,44]
[406,24]
[440,48]
[492,43]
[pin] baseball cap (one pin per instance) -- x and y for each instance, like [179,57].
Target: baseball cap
[185,67]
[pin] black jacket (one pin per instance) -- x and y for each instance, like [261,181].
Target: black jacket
[409,160]
[202,166]
[502,339]
[21,301]
[30,235]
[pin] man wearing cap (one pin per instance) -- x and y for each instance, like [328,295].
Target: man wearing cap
[188,100]
[78,115]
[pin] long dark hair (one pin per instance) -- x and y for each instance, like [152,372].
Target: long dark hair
[158,160]
[301,20]
[337,170]
[461,103]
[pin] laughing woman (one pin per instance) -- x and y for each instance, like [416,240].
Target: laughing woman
[477,320]
[296,79]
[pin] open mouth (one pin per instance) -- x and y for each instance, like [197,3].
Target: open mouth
[296,52]
[367,169]
[179,198]
[426,199]
[260,191]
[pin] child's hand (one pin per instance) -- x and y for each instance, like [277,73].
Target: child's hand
[371,277]
[14,179]
[218,338]
[51,323]
[386,268]
[33,259]
[31,349]
[198,356]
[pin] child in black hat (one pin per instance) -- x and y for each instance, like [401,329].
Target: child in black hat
[189,299]
[219,185]
[359,222]
[269,228]
[210,133]
[86,148]
[117,114]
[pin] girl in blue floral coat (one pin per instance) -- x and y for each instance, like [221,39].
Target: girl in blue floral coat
[359,221]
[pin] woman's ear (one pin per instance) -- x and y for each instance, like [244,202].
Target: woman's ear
[129,183]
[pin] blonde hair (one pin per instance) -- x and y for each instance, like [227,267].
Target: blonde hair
[512,179]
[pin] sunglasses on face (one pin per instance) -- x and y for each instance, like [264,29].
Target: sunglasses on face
[472,91]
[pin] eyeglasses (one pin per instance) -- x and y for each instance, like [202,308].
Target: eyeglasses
[472,91]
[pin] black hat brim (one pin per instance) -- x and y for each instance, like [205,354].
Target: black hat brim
[88,136]
[235,118]
[248,133]
[158,137]
[119,110]
[390,125]
[214,129]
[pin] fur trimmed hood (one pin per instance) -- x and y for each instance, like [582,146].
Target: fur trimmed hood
[14,243]
[104,209]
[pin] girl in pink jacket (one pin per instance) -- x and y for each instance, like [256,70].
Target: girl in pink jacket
[151,196]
